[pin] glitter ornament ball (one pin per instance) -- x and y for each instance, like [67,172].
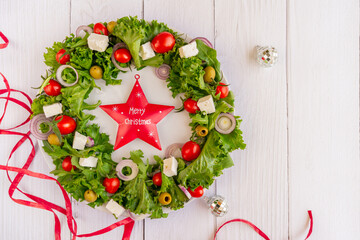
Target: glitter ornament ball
[266,56]
[217,205]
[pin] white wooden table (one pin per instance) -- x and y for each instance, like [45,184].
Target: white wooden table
[301,117]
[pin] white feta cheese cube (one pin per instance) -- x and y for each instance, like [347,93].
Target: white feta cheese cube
[88,162]
[98,42]
[79,141]
[188,50]
[115,208]
[146,51]
[170,167]
[206,104]
[52,110]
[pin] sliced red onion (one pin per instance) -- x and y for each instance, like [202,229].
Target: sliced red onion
[116,47]
[90,142]
[174,150]
[137,217]
[127,163]
[35,127]
[61,80]
[163,71]
[222,126]
[186,192]
[204,40]
[81,28]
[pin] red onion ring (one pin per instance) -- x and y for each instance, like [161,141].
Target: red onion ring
[204,40]
[163,71]
[35,127]
[61,80]
[89,142]
[172,150]
[85,28]
[127,163]
[186,192]
[116,47]
[231,128]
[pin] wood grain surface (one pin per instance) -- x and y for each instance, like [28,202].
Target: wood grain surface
[300,118]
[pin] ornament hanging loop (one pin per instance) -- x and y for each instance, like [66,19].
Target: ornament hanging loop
[137,76]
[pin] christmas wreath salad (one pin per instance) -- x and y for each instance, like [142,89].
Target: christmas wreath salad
[82,154]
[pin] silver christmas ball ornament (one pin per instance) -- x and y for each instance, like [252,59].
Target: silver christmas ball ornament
[266,56]
[217,205]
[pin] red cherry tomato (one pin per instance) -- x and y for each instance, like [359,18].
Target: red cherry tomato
[61,57]
[53,88]
[66,125]
[122,55]
[190,151]
[111,184]
[198,192]
[163,42]
[191,106]
[223,90]
[100,28]
[157,179]
[67,165]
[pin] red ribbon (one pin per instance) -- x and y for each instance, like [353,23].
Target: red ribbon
[3,37]
[261,233]
[37,201]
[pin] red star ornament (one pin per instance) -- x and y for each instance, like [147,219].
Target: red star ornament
[137,118]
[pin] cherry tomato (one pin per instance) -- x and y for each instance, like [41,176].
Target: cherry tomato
[191,106]
[66,125]
[223,90]
[190,151]
[67,165]
[157,179]
[100,28]
[53,88]
[198,192]
[111,184]
[122,55]
[163,42]
[61,57]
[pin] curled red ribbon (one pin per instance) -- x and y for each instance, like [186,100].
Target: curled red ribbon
[3,37]
[261,233]
[37,201]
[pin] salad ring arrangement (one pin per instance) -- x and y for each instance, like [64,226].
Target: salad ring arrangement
[82,154]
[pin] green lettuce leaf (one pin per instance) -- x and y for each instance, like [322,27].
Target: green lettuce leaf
[81,58]
[208,55]
[74,96]
[110,72]
[187,76]
[131,31]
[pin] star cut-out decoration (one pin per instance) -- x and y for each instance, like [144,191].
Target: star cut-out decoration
[137,118]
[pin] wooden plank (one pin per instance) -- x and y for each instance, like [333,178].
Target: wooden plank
[256,188]
[27,24]
[84,12]
[323,78]
[196,19]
